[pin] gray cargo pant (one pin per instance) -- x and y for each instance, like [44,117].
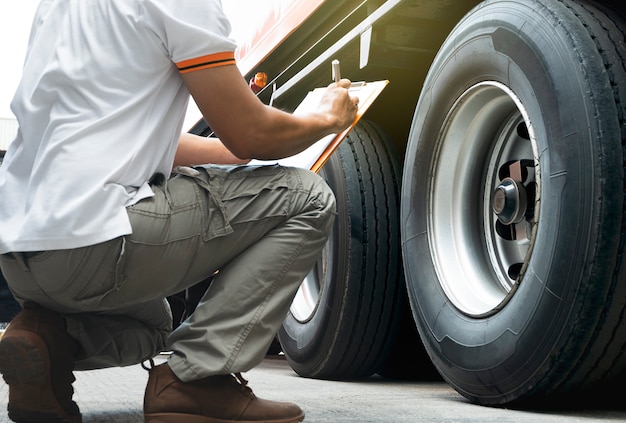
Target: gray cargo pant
[260,228]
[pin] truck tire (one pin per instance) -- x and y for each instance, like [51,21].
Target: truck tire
[513,223]
[345,313]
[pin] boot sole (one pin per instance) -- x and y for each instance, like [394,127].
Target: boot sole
[191,418]
[25,366]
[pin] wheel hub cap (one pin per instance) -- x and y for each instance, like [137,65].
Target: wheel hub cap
[510,201]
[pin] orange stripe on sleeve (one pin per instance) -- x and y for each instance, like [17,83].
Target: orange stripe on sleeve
[206,62]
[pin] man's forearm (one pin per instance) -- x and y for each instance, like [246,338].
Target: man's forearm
[196,150]
[251,129]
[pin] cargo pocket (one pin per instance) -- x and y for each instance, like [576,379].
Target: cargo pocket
[107,262]
[215,221]
[249,194]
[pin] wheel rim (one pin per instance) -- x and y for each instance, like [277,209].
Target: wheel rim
[308,296]
[483,202]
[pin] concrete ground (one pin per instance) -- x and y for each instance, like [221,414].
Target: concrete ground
[115,395]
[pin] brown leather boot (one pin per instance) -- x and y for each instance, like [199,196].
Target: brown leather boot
[215,399]
[36,361]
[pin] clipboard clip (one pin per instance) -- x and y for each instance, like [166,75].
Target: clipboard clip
[357,85]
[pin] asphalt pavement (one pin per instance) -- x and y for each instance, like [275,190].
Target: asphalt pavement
[116,395]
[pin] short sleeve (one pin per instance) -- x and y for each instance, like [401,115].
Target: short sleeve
[195,33]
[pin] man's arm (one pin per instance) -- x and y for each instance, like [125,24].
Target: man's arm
[252,130]
[196,150]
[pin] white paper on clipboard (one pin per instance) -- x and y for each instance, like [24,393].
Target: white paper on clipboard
[316,155]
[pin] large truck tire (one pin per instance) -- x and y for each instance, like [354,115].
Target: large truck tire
[513,223]
[345,314]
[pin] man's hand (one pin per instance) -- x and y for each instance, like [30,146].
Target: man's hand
[339,104]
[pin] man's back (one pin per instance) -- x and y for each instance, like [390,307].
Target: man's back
[100,108]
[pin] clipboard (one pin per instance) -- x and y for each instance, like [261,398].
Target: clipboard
[316,155]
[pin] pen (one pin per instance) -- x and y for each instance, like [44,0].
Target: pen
[336,70]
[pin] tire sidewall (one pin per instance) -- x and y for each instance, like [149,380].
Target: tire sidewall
[500,357]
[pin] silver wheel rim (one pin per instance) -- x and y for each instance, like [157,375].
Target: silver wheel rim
[484,199]
[307,298]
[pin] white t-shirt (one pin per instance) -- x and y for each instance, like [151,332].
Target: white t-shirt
[100,109]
